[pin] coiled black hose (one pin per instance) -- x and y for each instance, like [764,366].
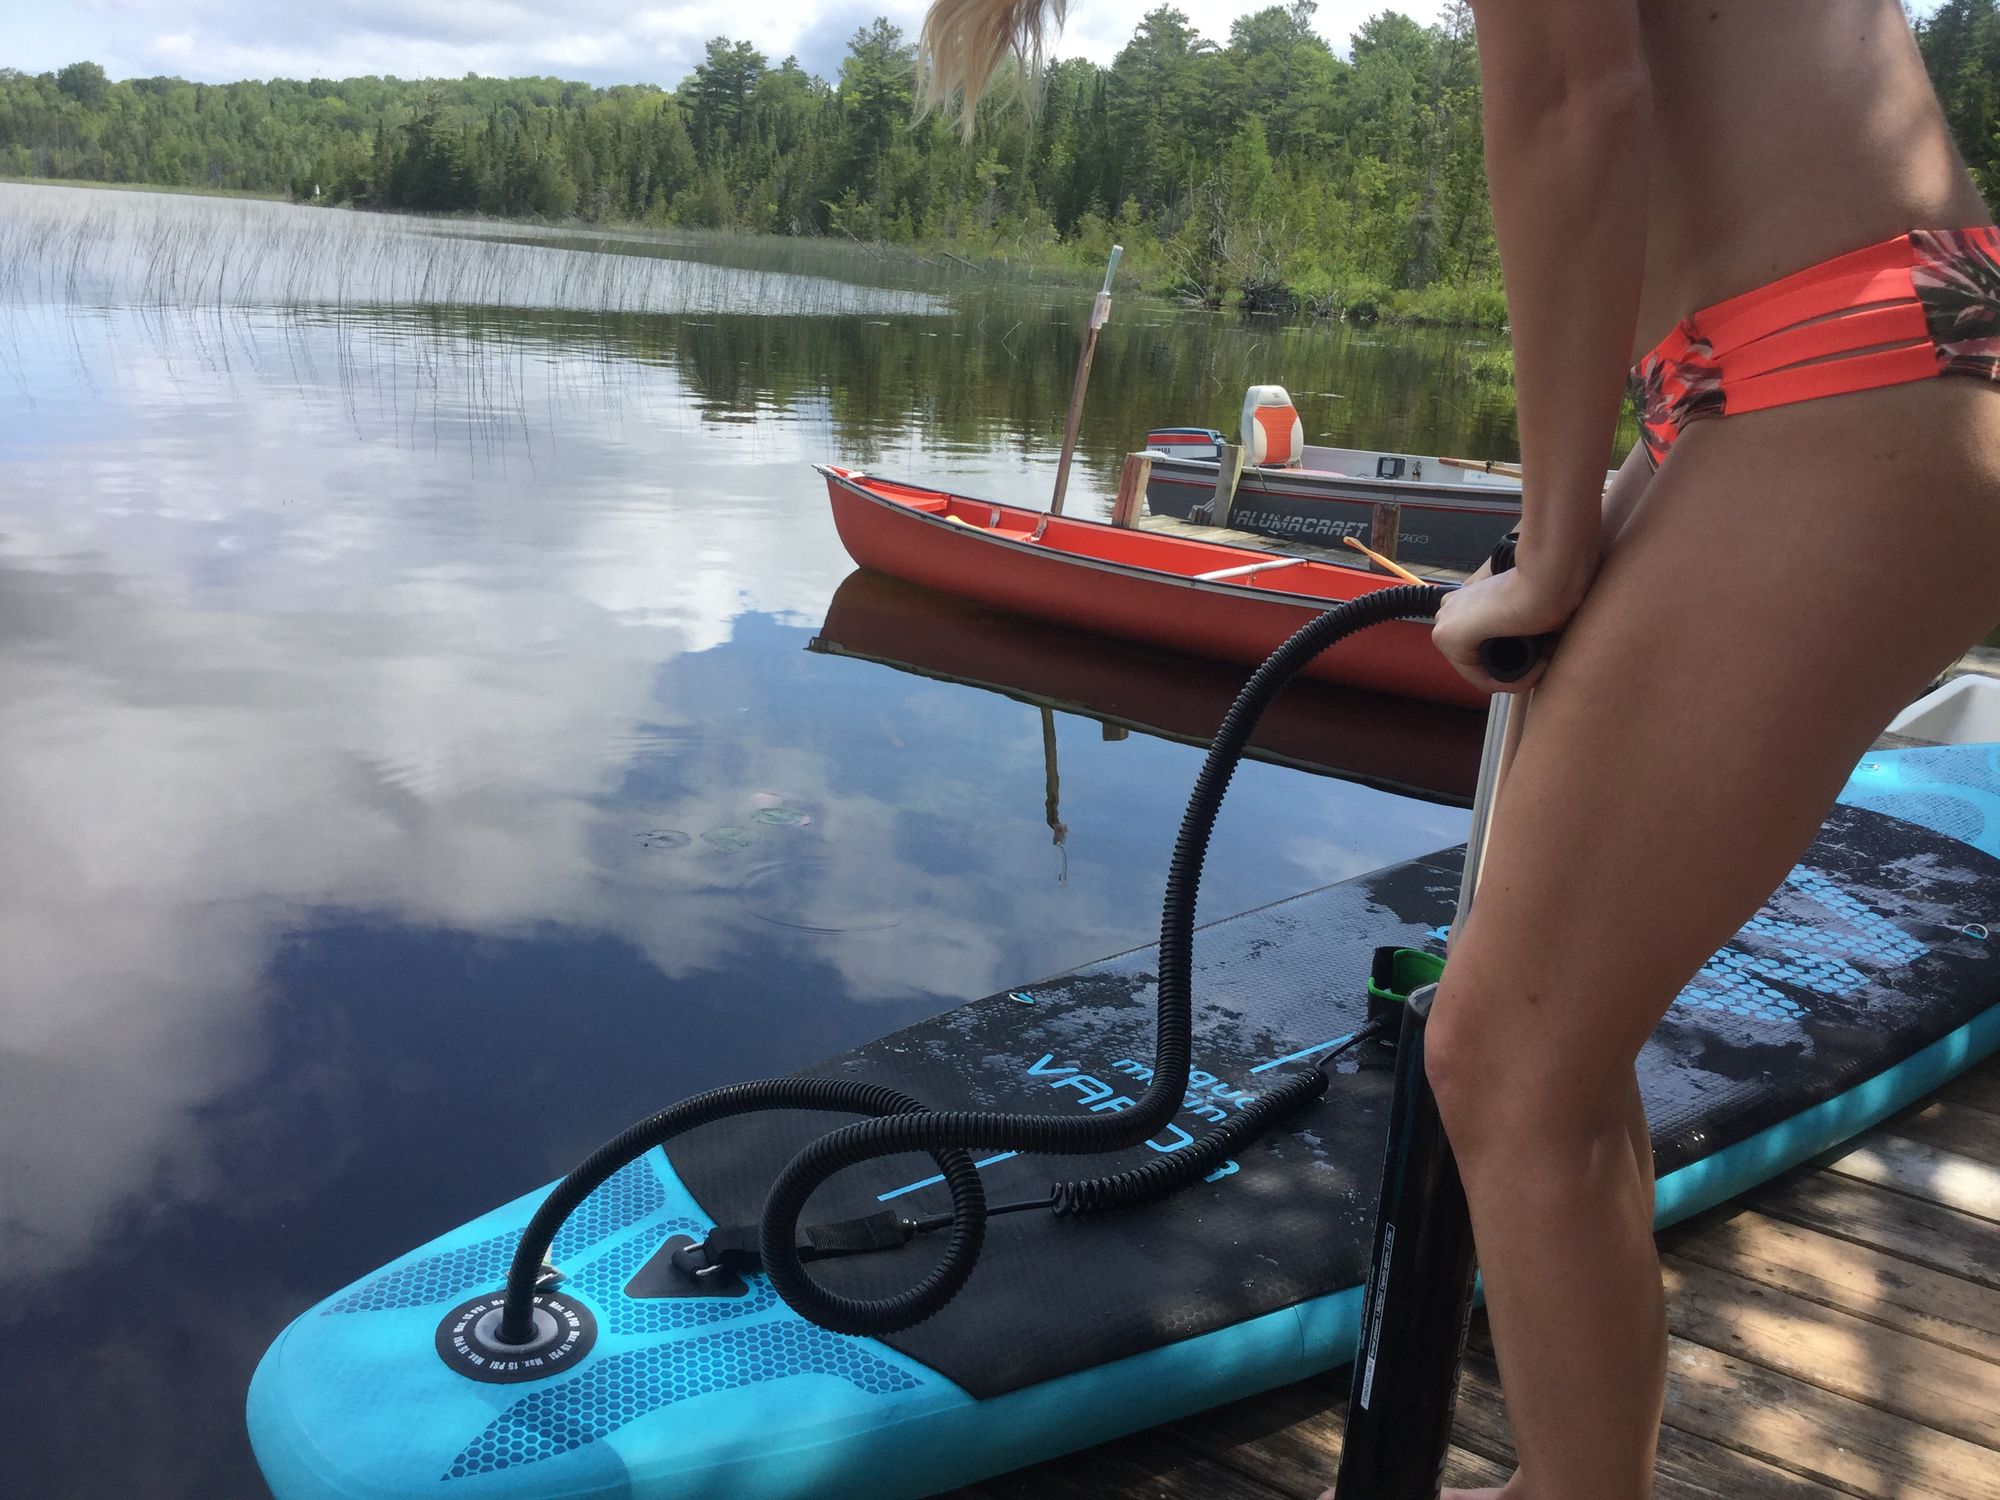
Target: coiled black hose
[1166,1175]
[900,1124]
[842,1096]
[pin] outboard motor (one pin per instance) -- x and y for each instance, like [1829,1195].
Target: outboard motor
[1185,442]
[1273,435]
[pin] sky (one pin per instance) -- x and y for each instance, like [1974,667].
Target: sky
[599,41]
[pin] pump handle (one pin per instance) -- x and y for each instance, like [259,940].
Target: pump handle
[1509,658]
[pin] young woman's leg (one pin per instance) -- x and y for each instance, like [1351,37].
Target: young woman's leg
[1791,578]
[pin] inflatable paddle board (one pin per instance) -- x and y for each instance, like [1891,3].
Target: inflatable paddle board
[1870,977]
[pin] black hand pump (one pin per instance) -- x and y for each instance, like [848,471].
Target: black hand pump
[1420,1284]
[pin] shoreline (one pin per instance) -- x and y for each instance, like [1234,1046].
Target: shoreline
[177,189]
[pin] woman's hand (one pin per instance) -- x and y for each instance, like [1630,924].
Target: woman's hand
[1493,605]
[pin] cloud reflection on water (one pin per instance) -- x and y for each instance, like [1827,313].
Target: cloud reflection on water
[227,706]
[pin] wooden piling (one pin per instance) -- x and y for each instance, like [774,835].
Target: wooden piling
[1214,511]
[1383,528]
[1133,479]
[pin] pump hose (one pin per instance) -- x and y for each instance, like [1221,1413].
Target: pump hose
[899,1124]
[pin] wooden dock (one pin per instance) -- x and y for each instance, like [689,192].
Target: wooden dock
[1834,1333]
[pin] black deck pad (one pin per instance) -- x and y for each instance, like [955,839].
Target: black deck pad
[1858,961]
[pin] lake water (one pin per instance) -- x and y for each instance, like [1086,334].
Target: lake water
[413,767]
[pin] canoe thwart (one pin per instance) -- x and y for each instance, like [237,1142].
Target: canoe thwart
[1218,575]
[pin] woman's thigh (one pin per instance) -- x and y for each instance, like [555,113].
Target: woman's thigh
[1791,579]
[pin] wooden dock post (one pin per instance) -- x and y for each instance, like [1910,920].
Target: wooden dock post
[1383,528]
[1214,511]
[1100,313]
[1132,481]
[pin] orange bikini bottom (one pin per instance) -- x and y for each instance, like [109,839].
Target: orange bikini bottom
[1924,304]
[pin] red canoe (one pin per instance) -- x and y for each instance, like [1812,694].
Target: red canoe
[1204,598]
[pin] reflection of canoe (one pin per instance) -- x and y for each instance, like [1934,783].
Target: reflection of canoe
[1441,513]
[1424,749]
[1203,598]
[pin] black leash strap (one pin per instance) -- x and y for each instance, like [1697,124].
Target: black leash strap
[732,1249]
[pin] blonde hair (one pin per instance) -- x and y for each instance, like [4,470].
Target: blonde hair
[964,42]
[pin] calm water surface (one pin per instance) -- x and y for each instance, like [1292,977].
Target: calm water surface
[412,767]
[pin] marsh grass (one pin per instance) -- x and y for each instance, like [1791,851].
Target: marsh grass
[86,249]
[169,189]
[437,321]
[862,262]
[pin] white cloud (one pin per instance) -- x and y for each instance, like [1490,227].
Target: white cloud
[175,44]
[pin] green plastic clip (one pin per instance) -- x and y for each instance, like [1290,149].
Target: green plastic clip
[1395,975]
[1399,972]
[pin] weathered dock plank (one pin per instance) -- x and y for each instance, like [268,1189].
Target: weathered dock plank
[1290,1439]
[1911,1377]
[1855,1278]
[1964,1128]
[1833,1439]
[1689,1466]
[1924,1233]
[1924,1171]
[1979,1089]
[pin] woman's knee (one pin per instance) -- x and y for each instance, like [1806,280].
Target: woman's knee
[1503,1084]
[1474,1093]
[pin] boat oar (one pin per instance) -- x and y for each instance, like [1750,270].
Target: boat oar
[1483,466]
[1380,561]
[1490,466]
[1100,313]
